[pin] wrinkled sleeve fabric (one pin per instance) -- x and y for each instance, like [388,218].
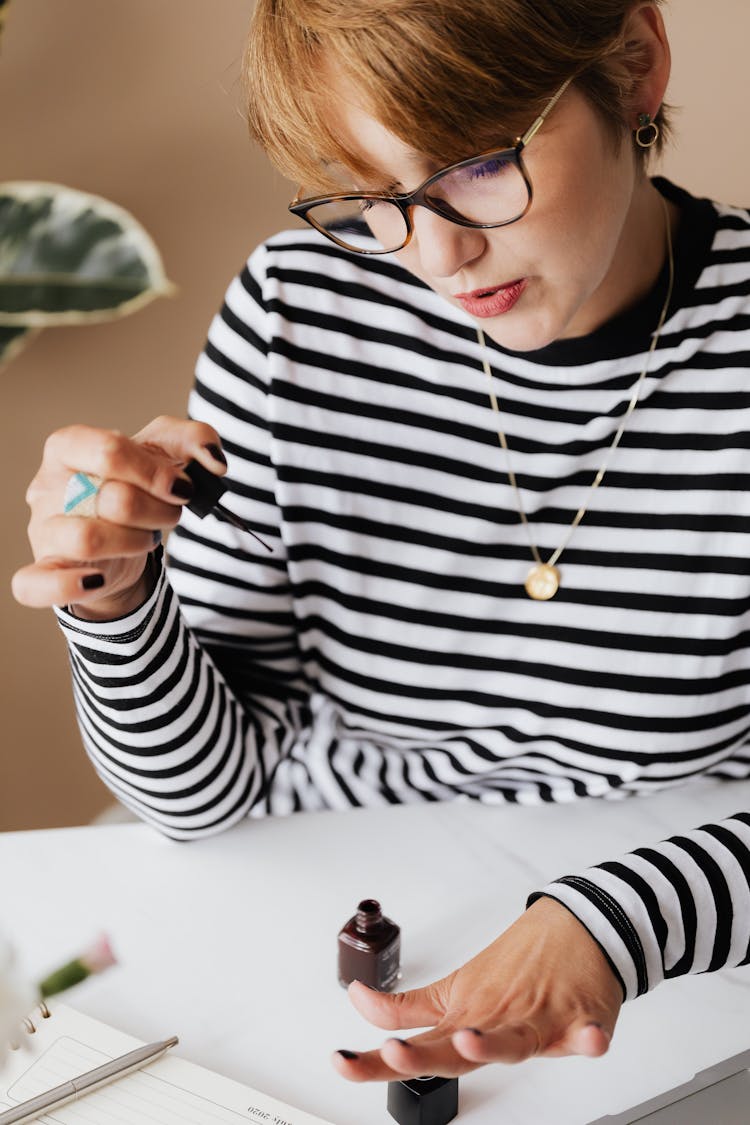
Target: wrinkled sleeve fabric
[187,705]
[682,906]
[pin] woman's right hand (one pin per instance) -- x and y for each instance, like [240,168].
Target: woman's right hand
[97,565]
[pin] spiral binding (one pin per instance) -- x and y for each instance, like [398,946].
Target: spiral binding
[28,1025]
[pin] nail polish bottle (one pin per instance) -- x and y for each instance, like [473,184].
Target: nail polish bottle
[369,948]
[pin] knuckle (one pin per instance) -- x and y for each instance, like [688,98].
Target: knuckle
[64,438]
[52,444]
[34,492]
[114,451]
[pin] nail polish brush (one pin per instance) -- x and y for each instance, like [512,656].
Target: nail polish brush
[208,491]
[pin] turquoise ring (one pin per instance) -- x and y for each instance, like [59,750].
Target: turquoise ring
[80,496]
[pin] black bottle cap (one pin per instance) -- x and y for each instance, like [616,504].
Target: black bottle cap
[423,1101]
[208,489]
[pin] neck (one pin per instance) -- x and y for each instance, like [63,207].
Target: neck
[639,257]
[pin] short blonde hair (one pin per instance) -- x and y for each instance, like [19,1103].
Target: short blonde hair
[448,77]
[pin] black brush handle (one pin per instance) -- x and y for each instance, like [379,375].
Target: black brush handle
[209,490]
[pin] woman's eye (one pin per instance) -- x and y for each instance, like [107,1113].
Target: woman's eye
[487,169]
[369,204]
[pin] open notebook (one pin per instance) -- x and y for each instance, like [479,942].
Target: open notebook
[169,1091]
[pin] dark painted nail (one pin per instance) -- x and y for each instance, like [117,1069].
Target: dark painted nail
[92,581]
[403,1042]
[156,538]
[473,1030]
[182,488]
[217,453]
[348,1054]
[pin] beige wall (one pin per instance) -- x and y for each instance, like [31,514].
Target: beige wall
[139,103]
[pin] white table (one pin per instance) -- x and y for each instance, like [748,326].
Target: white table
[231,942]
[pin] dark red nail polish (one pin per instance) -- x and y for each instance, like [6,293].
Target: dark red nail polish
[217,453]
[182,488]
[348,1054]
[92,581]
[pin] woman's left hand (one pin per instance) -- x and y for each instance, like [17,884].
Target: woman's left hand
[542,988]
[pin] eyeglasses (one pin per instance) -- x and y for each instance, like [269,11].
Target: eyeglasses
[490,190]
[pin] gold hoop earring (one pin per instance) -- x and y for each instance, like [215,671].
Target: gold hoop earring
[647,133]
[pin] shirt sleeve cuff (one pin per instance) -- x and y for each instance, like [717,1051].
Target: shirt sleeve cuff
[605,921]
[126,635]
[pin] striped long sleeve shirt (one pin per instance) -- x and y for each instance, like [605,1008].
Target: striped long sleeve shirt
[386,651]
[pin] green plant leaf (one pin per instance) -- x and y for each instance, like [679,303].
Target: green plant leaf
[67,257]
[12,340]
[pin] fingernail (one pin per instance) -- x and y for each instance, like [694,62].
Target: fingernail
[156,538]
[92,581]
[403,1042]
[473,1030]
[182,488]
[217,453]
[348,1054]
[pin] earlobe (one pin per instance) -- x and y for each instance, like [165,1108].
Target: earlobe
[647,133]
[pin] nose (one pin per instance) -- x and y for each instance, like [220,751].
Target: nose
[443,247]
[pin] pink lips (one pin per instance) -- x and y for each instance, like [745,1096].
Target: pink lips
[493,301]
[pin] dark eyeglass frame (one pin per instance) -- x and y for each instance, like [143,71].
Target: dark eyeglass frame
[418,198]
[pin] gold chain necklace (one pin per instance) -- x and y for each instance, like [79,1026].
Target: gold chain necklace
[543,580]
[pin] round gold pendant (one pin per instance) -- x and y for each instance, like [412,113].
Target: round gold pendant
[542,582]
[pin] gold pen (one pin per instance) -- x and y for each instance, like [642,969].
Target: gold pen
[85,1083]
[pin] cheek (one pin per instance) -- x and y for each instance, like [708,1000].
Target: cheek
[581,198]
[577,230]
[409,259]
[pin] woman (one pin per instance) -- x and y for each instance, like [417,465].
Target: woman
[480,413]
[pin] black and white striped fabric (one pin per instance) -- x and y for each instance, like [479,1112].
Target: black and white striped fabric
[386,650]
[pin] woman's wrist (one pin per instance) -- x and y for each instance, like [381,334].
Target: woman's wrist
[125,602]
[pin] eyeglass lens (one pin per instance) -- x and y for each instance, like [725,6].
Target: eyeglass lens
[487,191]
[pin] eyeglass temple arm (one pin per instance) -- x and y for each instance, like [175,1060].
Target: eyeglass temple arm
[536,125]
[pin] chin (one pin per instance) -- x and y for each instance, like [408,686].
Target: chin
[525,335]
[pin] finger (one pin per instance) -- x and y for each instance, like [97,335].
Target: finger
[185,440]
[366,1067]
[394,1010]
[41,585]
[73,538]
[124,504]
[400,1059]
[585,1037]
[110,456]
[430,1053]
[509,1044]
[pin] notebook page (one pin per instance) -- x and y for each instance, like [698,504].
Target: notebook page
[169,1091]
